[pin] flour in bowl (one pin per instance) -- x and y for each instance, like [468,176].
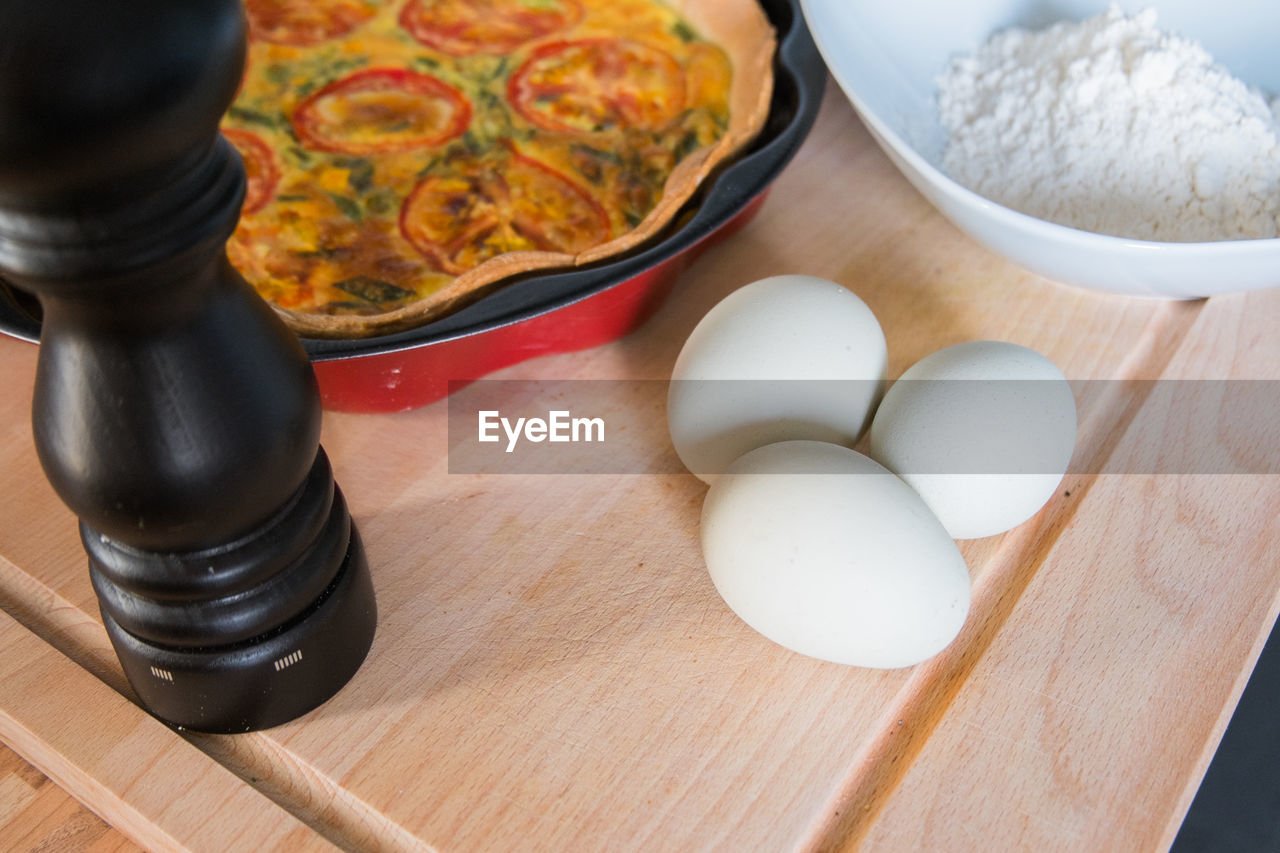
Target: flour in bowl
[1114,126]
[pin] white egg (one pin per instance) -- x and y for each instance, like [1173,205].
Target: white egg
[983,431]
[825,552]
[788,357]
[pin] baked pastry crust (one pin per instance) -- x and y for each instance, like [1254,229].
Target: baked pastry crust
[405,157]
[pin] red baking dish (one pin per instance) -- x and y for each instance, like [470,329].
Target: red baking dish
[565,311]
[415,375]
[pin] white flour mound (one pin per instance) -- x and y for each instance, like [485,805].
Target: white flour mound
[1111,125]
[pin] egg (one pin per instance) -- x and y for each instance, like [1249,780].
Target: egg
[827,553]
[787,357]
[983,431]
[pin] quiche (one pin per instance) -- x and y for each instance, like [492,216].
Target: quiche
[404,156]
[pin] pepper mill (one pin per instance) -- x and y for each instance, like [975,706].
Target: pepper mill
[173,411]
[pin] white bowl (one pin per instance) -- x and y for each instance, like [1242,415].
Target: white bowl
[887,56]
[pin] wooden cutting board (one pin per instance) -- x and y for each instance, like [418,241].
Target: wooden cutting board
[553,669]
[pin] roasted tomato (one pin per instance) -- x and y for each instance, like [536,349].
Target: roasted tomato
[259,166]
[381,110]
[306,22]
[461,220]
[464,27]
[598,84]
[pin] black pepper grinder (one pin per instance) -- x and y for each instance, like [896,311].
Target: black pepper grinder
[173,411]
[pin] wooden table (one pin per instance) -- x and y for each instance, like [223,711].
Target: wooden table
[554,671]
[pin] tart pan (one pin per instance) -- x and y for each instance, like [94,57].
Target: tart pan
[559,312]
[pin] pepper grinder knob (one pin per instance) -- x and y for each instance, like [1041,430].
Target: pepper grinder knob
[173,411]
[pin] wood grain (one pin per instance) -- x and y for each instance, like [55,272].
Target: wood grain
[158,790]
[1102,704]
[37,815]
[553,669]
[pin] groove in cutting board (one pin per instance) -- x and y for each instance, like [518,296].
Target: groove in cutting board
[107,766]
[312,798]
[923,701]
[59,623]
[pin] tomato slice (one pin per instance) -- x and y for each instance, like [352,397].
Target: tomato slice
[598,84]
[306,22]
[261,172]
[465,27]
[460,221]
[381,110]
